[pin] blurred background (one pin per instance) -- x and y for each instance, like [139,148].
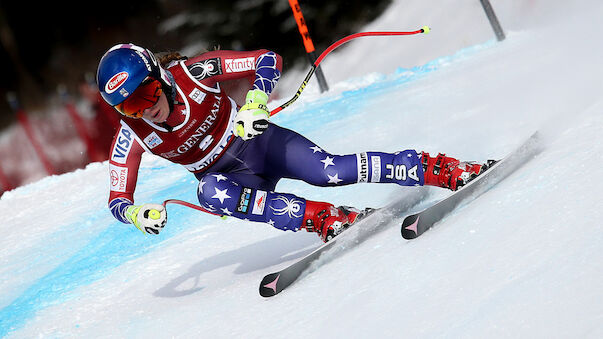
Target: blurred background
[52,119]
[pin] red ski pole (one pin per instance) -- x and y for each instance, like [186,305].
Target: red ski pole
[340,42]
[193,206]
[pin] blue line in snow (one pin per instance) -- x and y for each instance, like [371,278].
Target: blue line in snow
[117,244]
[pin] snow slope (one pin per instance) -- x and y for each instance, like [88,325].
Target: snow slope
[523,260]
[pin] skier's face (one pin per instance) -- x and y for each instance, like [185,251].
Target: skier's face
[145,97]
[158,112]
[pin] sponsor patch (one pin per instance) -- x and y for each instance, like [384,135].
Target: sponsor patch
[204,144]
[239,65]
[244,199]
[122,147]
[116,81]
[362,162]
[206,68]
[376,169]
[292,207]
[153,140]
[119,178]
[197,95]
[259,202]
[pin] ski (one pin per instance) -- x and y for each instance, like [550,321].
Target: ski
[276,282]
[416,224]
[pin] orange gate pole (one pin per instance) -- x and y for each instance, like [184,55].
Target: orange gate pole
[308,45]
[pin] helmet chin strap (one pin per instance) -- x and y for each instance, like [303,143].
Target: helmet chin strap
[168,88]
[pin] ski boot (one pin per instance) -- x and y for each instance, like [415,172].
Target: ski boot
[329,221]
[448,172]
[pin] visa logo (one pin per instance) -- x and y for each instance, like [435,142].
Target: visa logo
[122,146]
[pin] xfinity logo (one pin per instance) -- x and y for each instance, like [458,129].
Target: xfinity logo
[239,65]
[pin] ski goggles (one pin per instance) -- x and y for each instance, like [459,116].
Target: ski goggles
[145,96]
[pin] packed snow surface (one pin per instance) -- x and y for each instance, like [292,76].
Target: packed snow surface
[523,260]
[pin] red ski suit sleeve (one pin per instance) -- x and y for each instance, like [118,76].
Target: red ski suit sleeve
[124,161]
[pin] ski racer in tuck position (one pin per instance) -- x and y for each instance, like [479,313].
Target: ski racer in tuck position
[191,112]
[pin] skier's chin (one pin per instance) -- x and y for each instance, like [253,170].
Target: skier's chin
[159,112]
[161,116]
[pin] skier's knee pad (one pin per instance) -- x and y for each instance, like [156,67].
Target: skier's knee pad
[220,194]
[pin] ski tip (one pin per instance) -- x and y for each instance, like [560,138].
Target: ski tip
[409,227]
[269,285]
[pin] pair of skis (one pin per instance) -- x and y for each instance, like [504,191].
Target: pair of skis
[274,283]
[413,225]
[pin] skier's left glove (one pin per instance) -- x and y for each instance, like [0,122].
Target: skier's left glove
[252,118]
[149,218]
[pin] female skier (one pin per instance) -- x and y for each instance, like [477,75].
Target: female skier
[190,112]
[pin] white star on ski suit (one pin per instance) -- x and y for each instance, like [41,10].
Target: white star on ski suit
[201,184]
[334,179]
[221,195]
[315,149]
[219,177]
[328,162]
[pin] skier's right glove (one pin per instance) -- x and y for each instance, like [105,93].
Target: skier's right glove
[149,218]
[252,118]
